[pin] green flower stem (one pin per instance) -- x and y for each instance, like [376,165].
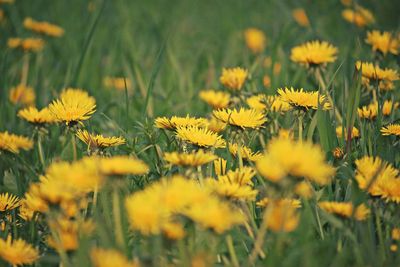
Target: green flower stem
[232,252]
[119,236]
[300,118]
[40,149]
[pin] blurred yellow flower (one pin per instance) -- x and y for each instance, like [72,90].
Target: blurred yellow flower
[243,118]
[345,209]
[295,203]
[303,189]
[43,27]
[281,215]
[193,159]
[314,53]
[17,251]
[117,83]
[302,99]
[263,102]
[123,165]
[371,111]
[216,125]
[233,78]
[8,202]
[98,141]
[396,233]
[27,44]
[22,94]
[173,230]
[73,106]
[359,16]
[35,116]
[175,122]
[13,143]
[374,72]
[266,81]
[220,166]
[110,257]
[216,99]
[391,129]
[306,160]
[245,152]
[380,178]
[201,137]
[255,40]
[355,133]
[383,42]
[300,16]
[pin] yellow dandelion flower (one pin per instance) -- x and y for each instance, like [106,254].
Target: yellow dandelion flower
[235,184]
[109,257]
[216,99]
[118,83]
[300,16]
[215,214]
[314,53]
[220,166]
[391,129]
[201,137]
[22,94]
[263,102]
[173,230]
[285,133]
[281,215]
[243,118]
[355,133]
[371,111]
[255,40]
[216,125]
[266,81]
[245,152]
[8,202]
[27,44]
[33,201]
[233,78]
[13,143]
[73,106]
[295,203]
[374,72]
[338,153]
[35,116]
[303,189]
[396,233]
[306,160]
[359,16]
[345,209]
[98,141]
[43,27]
[17,252]
[193,159]
[25,212]
[123,165]
[304,100]
[385,85]
[380,178]
[175,122]
[383,42]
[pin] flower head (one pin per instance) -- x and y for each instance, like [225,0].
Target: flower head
[8,202]
[391,129]
[374,72]
[245,152]
[13,143]
[35,116]
[355,133]
[98,141]
[371,111]
[304,100]
[300,16]
[193,159]
[216,125]
[43,27]
[216,99]
[306,160]
[27,45]
[73,106]
[345,209]
[243,118]
[359,16]
[263,102]
[201,137]
[123,165]
[255,39]
[314,53]
[175,122]
[22,94]
[233,78]
[281,215]
[109,257]
[383,42]
[17,252]
[118,83]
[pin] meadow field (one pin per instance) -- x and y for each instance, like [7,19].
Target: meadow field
[199,133]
